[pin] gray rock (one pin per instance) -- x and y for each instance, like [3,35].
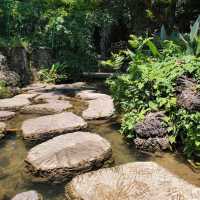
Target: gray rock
[52,107]
[100,108]
[66,156]
[151,126]
[43,128]
[13,104]
[188,95]
[132,181]
[6,115]
[27,96]
[152,144]
[29,195]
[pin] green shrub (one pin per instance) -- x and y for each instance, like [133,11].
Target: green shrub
[150,85]
[4,90]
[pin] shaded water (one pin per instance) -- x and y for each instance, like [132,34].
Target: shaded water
[13,152]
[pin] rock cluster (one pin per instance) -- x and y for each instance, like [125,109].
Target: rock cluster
[151,133]
[134,181]
[66,156]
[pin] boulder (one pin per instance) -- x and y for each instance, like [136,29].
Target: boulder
[6,115]
[66,156]
[13,104]
[132,181]
[151,126]
[52,107]
[29,195]
[151,133]
[188,95]
[46,127]
[27,96]
[2,129]
[100,108]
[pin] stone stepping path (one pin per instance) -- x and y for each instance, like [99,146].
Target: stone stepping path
[133,181]
[46,127]
[29,195]
[52,107]
[100,106]
[66,156]
[6,115]
[13,104]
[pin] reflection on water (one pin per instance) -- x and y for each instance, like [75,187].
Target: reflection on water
[13,152]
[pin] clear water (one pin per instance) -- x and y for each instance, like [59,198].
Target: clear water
[13,151]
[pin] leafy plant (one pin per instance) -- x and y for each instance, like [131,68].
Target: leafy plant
[4,90]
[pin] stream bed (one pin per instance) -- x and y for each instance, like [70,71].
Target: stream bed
[13,150]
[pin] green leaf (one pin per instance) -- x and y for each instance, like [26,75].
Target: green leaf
[194,30]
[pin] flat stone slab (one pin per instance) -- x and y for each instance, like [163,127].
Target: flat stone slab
[27,96]
[100,108]
[43,128]
[91,95]
[6,115]
[66,156]
[13,104]
[29,195]
[133,181]
[52,107]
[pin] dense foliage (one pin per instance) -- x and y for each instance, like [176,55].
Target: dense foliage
[150,85]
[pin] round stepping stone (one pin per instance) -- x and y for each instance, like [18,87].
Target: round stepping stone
[29,195]
[2,129]
[133,181]
[43,128]
[6,115]
[90,95]
[13,104]
[66,156]
[47,108]
[100,108]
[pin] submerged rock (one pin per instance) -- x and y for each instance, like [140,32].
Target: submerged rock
[49,96]
[2,129]
[43,128]
[29,195]
[66,156]
[132,181]
[53,107]
[100,108]
[188,95]
[6,115]
[13,104]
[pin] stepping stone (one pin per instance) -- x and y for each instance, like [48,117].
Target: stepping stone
[50,96]
[66,156]
[29,195]
[2,129]
[46,127]
[47,108]
[6,115]
[133,181]
[100,108]
[13,104]
[90,95]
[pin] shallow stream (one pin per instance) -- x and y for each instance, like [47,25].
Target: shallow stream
[13,151]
